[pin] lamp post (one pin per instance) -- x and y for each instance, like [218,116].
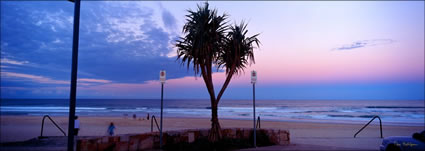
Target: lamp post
[73,90]
[253,81]
[162,80]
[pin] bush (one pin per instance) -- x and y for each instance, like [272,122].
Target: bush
[223,144]
[262,138]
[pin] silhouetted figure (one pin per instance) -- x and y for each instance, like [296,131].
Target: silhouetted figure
[134,116]
[147,117]
[76,125]
[111,129]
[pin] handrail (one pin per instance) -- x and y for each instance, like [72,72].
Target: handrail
[380,125]
[258,122]
[42,126]
[153,118]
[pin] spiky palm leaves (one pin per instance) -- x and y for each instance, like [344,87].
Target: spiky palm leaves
[205,34]
[238,52]
[206,43]
[238,49]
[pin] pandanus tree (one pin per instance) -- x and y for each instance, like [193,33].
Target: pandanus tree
[208,41]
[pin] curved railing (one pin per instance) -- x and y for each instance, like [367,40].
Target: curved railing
[156,123]
[152,119]
[258,122]
[380,125]
[42,126]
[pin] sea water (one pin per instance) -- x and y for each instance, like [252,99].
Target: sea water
[334,111]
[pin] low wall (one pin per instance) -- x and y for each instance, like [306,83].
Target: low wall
[132,142]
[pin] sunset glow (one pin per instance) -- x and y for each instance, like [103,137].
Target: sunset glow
[309,50]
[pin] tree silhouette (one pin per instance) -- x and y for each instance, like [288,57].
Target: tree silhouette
[208,41]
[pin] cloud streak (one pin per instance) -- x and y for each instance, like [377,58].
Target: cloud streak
[13,62]
[365,43]
[29,77]
[94,80]
[46,80]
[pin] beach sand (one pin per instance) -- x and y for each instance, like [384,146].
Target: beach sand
[20,128]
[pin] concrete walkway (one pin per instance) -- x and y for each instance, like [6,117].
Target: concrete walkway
[359,143]
[302,147]
[326,143]
[297,144]
[52,143]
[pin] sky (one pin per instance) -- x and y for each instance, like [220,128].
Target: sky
[309,50]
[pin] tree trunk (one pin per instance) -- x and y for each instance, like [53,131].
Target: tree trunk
[215,132]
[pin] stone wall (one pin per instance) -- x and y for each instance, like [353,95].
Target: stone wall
[132,142]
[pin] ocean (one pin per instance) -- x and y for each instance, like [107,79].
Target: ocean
[329,111]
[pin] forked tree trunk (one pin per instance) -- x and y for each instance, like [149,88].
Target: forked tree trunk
[215,132]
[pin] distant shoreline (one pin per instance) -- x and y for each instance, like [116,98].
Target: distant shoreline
[375,122]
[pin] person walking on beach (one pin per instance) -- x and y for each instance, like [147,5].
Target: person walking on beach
[147,116]
[111,129]
[76,125]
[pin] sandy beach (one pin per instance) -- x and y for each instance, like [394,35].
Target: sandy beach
[20,128]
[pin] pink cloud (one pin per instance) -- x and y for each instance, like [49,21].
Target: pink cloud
[94,80]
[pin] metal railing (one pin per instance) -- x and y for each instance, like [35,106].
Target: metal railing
[42,126]
[258,122]
[157,126]
[380,125]
[152,119]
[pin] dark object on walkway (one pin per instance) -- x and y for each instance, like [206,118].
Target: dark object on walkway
[416,142]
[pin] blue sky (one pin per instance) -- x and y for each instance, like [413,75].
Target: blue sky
[310,50]
[36,40]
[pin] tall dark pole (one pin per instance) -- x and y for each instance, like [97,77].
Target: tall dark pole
[253,106]
[162,100]
[73,90]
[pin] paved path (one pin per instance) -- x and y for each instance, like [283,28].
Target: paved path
[303,147]
[52,143]
[327,143]
[297,144]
